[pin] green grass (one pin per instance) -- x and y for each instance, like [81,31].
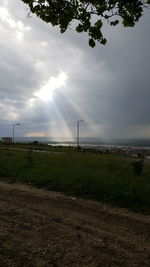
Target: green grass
[105,177]
[37,146]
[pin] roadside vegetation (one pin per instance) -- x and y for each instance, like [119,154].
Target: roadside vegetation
[102,176]
[35,145]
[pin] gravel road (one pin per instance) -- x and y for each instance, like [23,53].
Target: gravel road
[41,228]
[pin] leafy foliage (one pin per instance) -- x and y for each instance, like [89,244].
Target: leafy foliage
[90,15]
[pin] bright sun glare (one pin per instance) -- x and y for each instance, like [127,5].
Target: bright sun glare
[47,90]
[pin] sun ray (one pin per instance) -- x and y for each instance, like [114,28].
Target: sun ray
[90,128]
[47,90]
[58,126]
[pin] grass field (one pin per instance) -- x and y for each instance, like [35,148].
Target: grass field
[106,177]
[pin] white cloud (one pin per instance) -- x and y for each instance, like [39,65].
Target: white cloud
[8,112]
[47,90]
[17,26]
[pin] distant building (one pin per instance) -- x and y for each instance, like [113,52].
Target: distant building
[6,139]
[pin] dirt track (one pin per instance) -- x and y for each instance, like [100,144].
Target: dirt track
[41,228]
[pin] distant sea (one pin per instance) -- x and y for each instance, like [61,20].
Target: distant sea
[90,142]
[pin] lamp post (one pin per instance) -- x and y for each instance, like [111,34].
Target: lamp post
[14,124]
[78,124]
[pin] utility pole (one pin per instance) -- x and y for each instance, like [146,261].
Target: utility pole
[78,132]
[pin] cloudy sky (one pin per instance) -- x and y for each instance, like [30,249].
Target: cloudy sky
[48,81]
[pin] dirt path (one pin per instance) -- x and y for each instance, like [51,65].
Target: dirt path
[41,228]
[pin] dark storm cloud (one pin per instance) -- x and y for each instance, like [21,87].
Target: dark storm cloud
[107,86]
[114,87]
[17,74]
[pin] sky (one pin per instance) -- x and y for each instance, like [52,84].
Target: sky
[49,81]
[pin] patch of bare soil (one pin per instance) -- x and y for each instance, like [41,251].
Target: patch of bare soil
[41,228]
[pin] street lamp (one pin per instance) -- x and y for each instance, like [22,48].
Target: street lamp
[14,124]
[78,124]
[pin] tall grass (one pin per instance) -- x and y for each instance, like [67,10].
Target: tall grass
[107,178]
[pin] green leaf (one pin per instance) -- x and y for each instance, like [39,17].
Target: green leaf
[91,43]
[114,23]
[88,14]
[103,41]
[79,28]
